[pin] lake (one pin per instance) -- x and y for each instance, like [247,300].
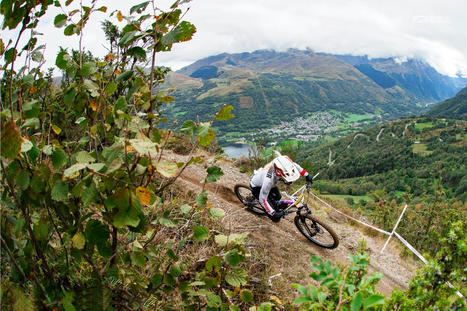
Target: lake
[236,150]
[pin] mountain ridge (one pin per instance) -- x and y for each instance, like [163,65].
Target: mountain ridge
[405,72]
[266,87]
[455,107]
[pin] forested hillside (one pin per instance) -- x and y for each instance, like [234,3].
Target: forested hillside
[418,160]
[406,155]
[455,107]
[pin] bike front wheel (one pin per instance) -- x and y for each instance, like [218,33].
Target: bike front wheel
[316,231]
[244,194]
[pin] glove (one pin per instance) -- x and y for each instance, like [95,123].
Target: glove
[309,178]
[281,205]
[277,216]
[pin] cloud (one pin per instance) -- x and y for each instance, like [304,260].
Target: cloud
[429,29]
[420,29]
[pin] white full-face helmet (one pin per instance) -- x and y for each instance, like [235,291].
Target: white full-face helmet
[285,169]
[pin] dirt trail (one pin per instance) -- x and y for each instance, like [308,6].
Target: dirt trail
[281,247]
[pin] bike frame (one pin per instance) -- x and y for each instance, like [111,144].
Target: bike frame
[300,199]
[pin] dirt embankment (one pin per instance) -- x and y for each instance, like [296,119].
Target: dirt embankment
[284,251]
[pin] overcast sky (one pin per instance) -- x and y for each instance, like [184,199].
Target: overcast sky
[429,29]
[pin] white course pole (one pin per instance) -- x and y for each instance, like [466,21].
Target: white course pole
[394,230]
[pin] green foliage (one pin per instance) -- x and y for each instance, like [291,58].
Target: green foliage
[246,295]
[348,288]
[11,141]
[224,114]
[393,173]
[200,233]
[216,213]
[89,217]
[429,289]
[214,173]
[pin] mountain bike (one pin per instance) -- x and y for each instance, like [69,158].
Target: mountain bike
[311,227]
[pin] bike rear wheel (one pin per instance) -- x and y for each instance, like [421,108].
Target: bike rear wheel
[244,194]
[316,231]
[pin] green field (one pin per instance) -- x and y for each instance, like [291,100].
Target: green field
[345,197]
[285,143]
[290,142]
[421,149]
[421,126]
[351,117]
[328,138]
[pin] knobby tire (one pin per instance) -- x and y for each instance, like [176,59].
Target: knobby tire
[244,194]
[316,231]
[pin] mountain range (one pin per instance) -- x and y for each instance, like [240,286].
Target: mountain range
[266,87]
[413,75]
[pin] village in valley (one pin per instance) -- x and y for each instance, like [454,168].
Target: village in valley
[315,126]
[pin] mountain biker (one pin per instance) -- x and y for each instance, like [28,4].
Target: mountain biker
[264,184]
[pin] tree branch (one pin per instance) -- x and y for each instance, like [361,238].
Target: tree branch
[114,245]
[26,215]
[173,179]
[13,260]
[341,289]
[23,28]
[59,236]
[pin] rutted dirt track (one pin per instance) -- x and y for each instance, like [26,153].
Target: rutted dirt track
[281,247]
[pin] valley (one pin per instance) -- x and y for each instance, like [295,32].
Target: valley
[320,126]
[303,95]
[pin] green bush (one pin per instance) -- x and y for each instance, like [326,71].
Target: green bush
[348,288]
[90,219]
[435,287]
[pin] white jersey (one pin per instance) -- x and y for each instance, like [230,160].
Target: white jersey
[266,178]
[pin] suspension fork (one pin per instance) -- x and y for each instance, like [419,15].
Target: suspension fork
[303,211]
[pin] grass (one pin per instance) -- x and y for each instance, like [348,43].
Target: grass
[421,149]
[399,193]
[421,126]
[461,136]
[328,138]
[233,134]
[289,142]
[344,197]
[352,117]
[285,143]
